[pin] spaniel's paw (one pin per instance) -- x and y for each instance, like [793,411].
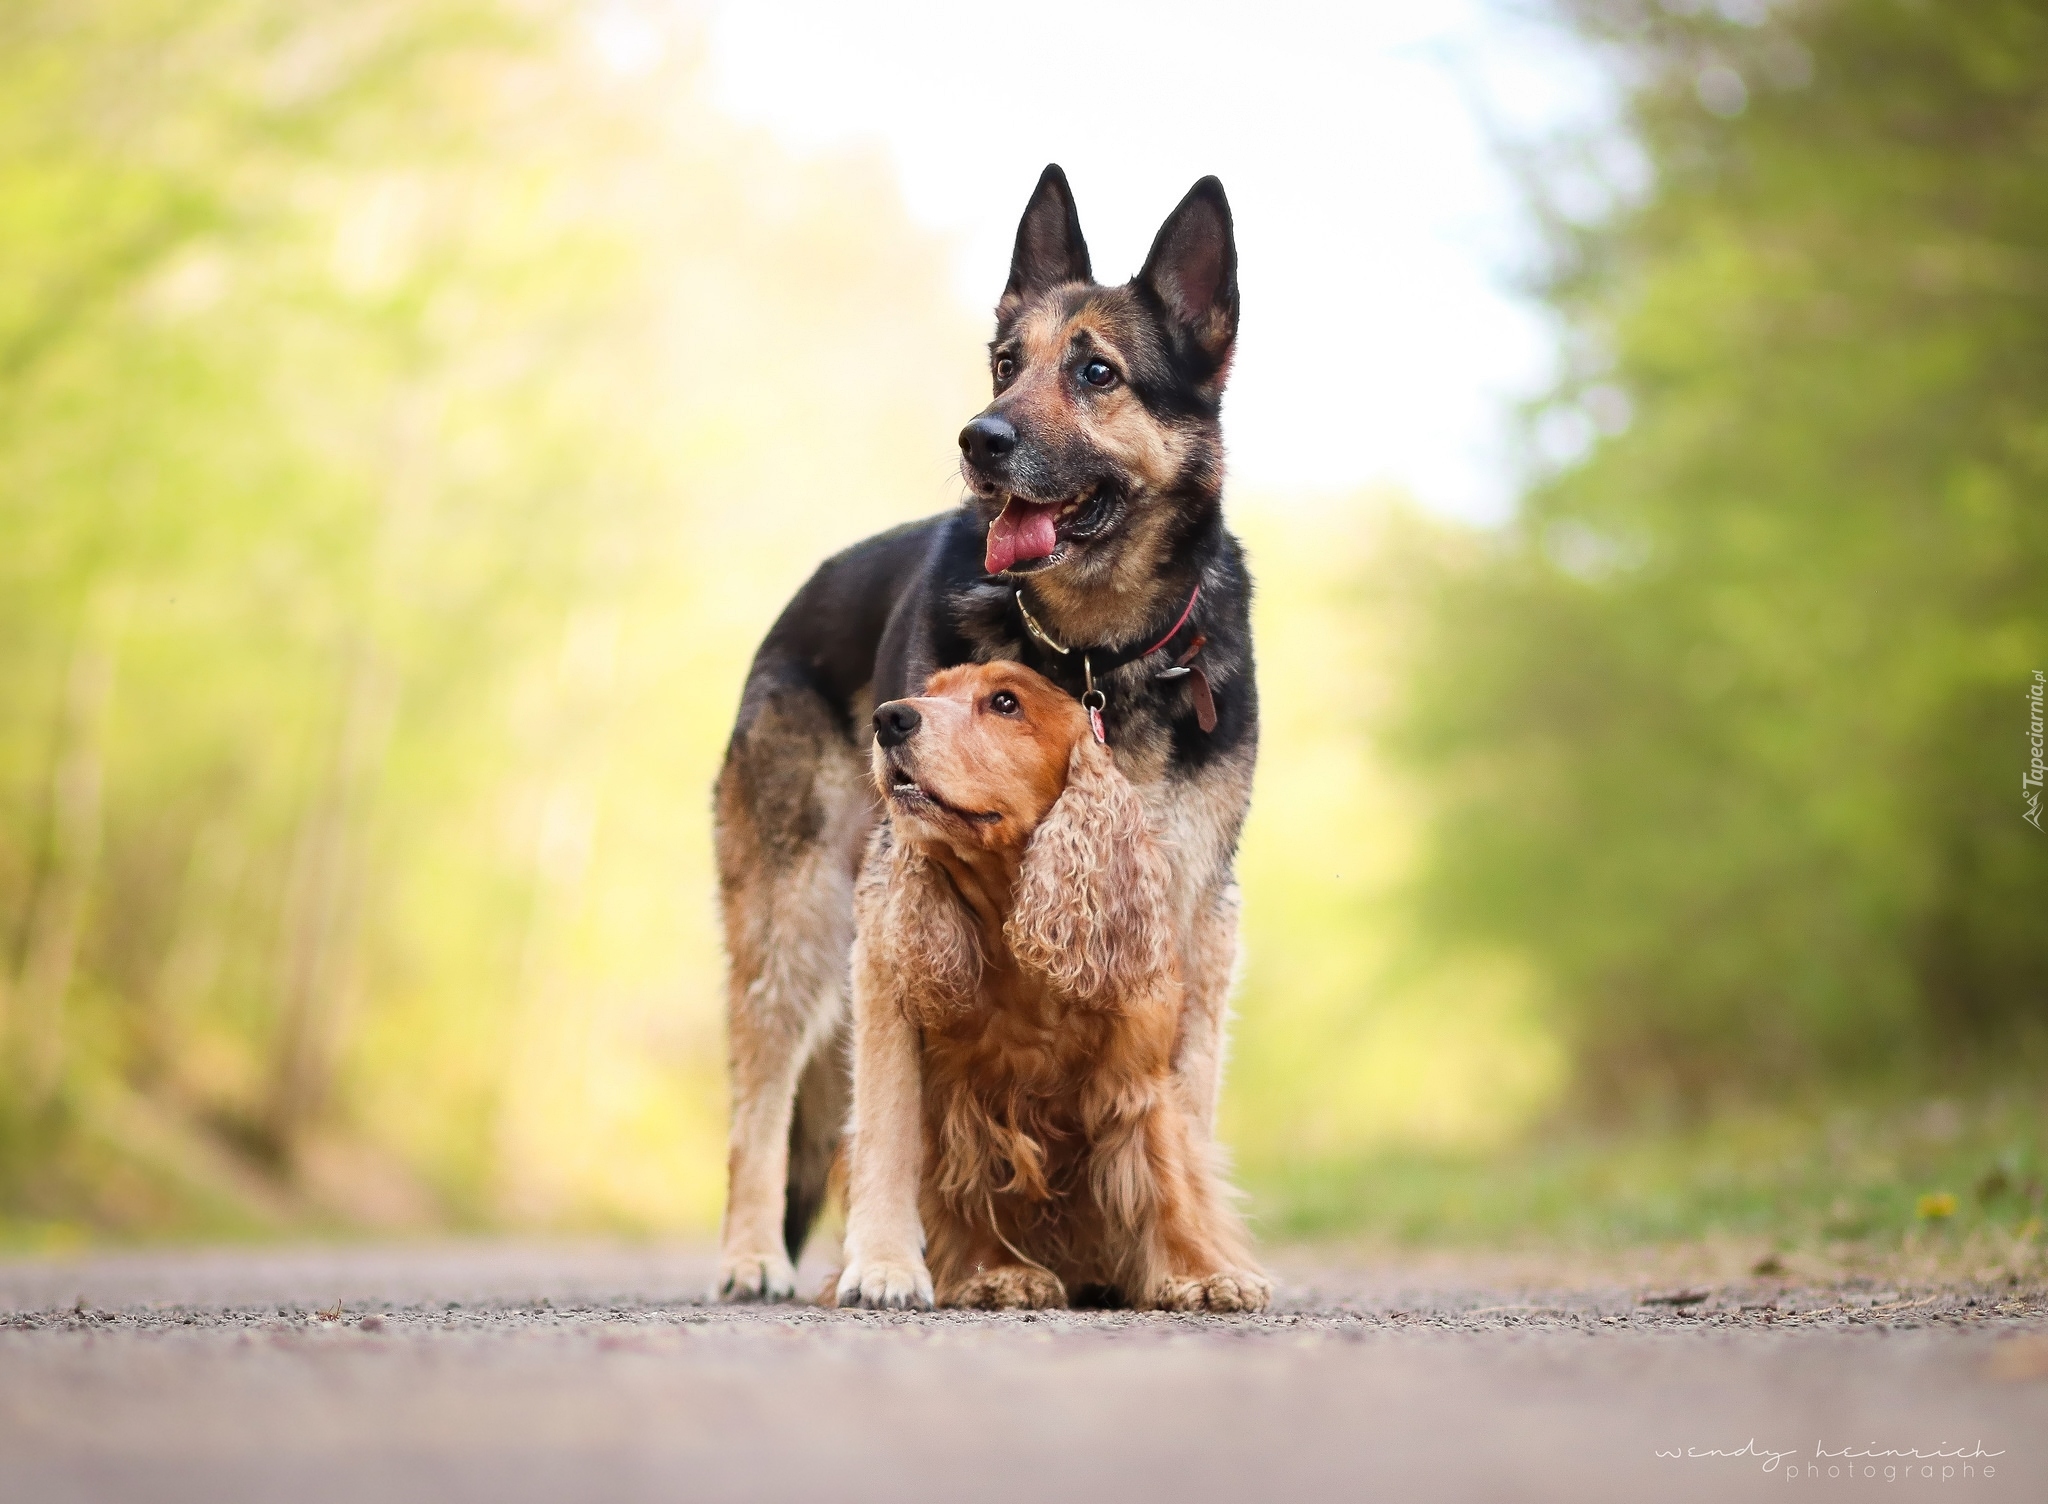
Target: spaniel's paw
[885,1285]
[1228,1290]
[1009,1287]
[756,1276]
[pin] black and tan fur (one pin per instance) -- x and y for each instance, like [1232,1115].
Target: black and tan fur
[1141,456]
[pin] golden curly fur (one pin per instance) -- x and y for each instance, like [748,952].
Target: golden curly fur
[1017,1001]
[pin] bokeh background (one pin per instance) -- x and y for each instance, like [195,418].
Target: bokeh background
[412,414]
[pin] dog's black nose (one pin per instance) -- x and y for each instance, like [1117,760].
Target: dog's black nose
[988,439]
[896,722]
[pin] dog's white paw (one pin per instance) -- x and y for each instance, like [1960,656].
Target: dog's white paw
[756,1276]
[885,1285]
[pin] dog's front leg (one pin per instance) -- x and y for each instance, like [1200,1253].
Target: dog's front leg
[1200,1256]
[1209,968]
[787,996]
[885,1266]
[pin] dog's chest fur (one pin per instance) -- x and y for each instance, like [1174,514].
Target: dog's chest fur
[1196,783]
[1021,1083]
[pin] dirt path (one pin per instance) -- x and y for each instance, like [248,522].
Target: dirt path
[502,1372]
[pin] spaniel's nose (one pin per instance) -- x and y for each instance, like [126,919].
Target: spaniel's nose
[896,722]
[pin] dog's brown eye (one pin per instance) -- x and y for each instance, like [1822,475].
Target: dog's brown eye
[1005,368]
[1002,702]
[1098,374]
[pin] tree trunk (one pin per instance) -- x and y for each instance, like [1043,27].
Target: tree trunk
[58,899]
[322,901]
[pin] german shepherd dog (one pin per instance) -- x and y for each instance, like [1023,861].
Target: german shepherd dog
[1091,548]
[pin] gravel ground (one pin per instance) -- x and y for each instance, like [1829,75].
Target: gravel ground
[513,1372]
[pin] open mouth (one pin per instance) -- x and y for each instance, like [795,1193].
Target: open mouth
[908,792]
[1032,535]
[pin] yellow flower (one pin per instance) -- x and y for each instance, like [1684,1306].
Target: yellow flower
[1937,1204]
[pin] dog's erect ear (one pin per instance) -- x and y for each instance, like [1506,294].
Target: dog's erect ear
[1193,269]
[1049,249]
[1090,912]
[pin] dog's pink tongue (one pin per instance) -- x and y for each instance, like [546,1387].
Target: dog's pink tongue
[1023,531]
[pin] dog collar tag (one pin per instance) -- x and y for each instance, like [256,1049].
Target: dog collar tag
[1095,700]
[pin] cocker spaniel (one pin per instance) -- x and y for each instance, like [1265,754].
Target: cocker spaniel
[1018,1138]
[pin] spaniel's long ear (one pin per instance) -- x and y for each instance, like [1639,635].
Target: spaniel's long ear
[918,937]
[1090,910]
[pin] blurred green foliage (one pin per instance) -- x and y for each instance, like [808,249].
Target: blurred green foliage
[1354,1030]
[391,396]
[1854,1175]
[1729,727]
